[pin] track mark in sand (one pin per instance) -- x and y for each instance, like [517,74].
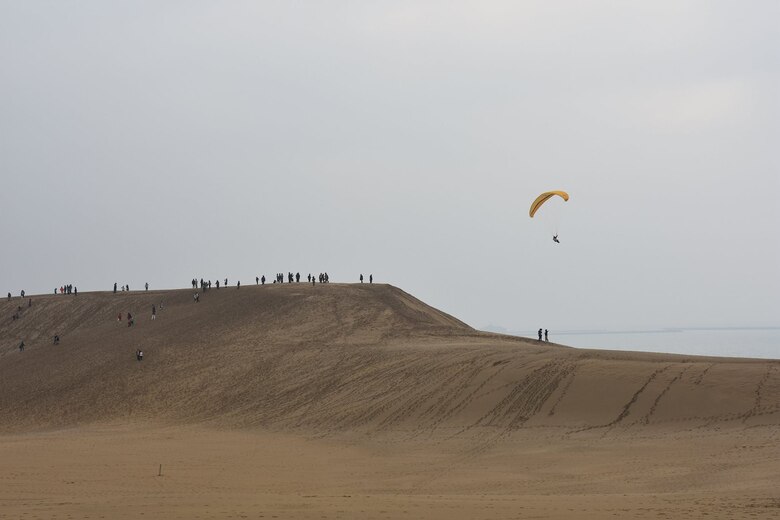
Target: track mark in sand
[646,418]
[565,390]
[759,387]
[468,398]
[526,397]
[698,380]
[627,407]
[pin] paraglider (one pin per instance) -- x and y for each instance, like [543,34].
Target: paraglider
[540,200]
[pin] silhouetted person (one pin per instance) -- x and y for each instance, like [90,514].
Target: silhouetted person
[22,293]
[217,284]
[75,291]
[257,280]
[226,284]
[540,334]
[371,278]
[361,278]
[238,284]
[21,346]
[114,287]
[297,277]
[9,295]
[545,335]
[147,286]
[262,280]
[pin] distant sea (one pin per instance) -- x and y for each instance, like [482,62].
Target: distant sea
[753,342]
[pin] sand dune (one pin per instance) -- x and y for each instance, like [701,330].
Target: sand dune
[363,390]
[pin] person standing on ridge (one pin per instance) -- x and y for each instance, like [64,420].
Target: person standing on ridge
[545,336]
[361,277]
[371,278]
[540,334]
[238,284]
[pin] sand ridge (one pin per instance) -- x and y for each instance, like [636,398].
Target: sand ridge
[360,401]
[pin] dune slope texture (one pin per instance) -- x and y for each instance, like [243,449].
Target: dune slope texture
[360,401]
[337,358]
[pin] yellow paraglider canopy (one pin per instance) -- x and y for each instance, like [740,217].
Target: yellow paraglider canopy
[541,199]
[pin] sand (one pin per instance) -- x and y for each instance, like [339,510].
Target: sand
[350,401]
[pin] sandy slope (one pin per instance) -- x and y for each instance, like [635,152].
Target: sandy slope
[360,401]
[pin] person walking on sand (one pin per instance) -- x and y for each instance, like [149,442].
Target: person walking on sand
[154,312]
[21,346]
[361,277]
[540,334]
[545,336]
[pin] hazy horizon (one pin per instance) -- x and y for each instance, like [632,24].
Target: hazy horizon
[157,142]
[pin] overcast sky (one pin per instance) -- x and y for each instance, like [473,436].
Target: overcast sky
[160,141]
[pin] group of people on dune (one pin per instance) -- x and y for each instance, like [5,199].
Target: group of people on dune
[204,286]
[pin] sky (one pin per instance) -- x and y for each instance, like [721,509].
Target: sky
[160,141]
